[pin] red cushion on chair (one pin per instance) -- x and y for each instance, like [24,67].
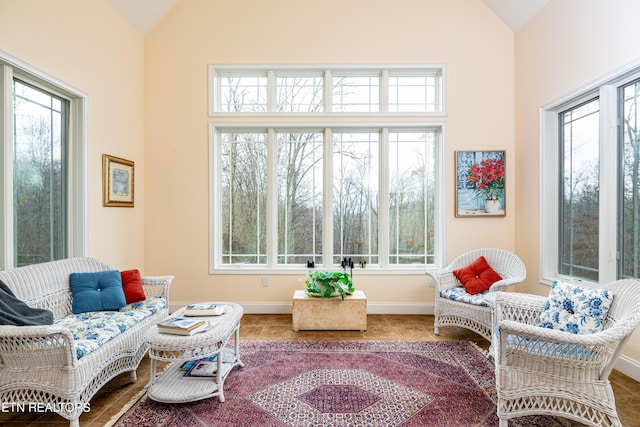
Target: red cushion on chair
[477,277]
[132,286]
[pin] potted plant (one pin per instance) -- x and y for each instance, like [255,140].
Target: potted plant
[488,180]
[326,284]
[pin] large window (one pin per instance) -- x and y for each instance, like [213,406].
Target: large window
[314,166]
[39,174]
[591,183]
[42,215]
[629,183]
[579,191]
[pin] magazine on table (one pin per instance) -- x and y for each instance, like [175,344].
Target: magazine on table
[189,363]
[205,309]
[203,368]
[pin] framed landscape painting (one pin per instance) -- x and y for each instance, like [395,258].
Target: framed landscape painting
[480,183]
[117,181]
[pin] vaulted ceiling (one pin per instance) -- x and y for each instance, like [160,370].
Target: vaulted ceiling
[145,14]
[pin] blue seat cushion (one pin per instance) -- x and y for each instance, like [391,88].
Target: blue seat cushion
[91,330]
[460,294]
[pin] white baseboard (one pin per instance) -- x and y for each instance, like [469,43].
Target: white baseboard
[629,367]
[625,365]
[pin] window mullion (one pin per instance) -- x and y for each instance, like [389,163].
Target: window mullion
[327,200]
[384,91]
[383,216]
[272,198]
[328,92]
[272,92]
[608,183]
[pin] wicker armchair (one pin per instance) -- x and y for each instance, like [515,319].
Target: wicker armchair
[455,307]
[547,371]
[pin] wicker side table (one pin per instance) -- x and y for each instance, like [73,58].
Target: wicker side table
[170,386]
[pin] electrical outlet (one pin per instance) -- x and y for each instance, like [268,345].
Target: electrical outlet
[265,282]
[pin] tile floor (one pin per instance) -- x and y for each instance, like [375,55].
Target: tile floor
[110,400]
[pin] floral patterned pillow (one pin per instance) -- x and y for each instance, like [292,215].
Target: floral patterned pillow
[575,309]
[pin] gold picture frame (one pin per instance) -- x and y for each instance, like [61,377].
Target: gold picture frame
[117,181]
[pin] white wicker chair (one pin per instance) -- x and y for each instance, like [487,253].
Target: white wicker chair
[476,314]
[546,371]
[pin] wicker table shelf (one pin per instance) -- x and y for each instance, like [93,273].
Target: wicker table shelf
[170,386]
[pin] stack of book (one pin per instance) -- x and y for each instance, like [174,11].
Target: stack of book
[204,309]
[182,326]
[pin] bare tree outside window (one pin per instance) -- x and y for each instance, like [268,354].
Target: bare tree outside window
[412,197]
[630,216]
[356,196]
[300,195]
[580,191]
[39,183]
[244,198]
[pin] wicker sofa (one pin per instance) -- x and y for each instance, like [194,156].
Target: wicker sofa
[60,367]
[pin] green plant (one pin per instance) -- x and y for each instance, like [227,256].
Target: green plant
[328,283]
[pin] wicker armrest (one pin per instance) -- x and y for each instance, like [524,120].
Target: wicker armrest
[532,332]
[37,346]
[518,307]
[551,347]
[157,286]
[443,279]
[502,285]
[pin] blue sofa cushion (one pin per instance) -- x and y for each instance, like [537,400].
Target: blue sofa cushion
[97,291]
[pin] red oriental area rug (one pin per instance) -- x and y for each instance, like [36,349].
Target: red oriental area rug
[346,383]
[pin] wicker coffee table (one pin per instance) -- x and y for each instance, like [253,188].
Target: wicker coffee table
[170,386]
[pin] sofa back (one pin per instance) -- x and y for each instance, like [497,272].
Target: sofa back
[46,285]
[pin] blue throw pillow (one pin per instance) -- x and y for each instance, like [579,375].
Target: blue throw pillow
[575,309]
[97,291]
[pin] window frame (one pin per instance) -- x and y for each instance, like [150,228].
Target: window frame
[606,90]
[272,72]
[325,121]
[563,153]
[76,179]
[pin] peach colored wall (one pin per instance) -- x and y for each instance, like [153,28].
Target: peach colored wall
[567,45]
[476,46]
[88,45]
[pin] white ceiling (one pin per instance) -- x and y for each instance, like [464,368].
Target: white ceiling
[145,14]
[515,13]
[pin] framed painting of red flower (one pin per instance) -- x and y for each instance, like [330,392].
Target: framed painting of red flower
[480,183]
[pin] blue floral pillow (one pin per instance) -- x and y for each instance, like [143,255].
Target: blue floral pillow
[575,309]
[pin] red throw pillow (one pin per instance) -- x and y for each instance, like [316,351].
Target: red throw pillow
[132,286]
[477,277]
